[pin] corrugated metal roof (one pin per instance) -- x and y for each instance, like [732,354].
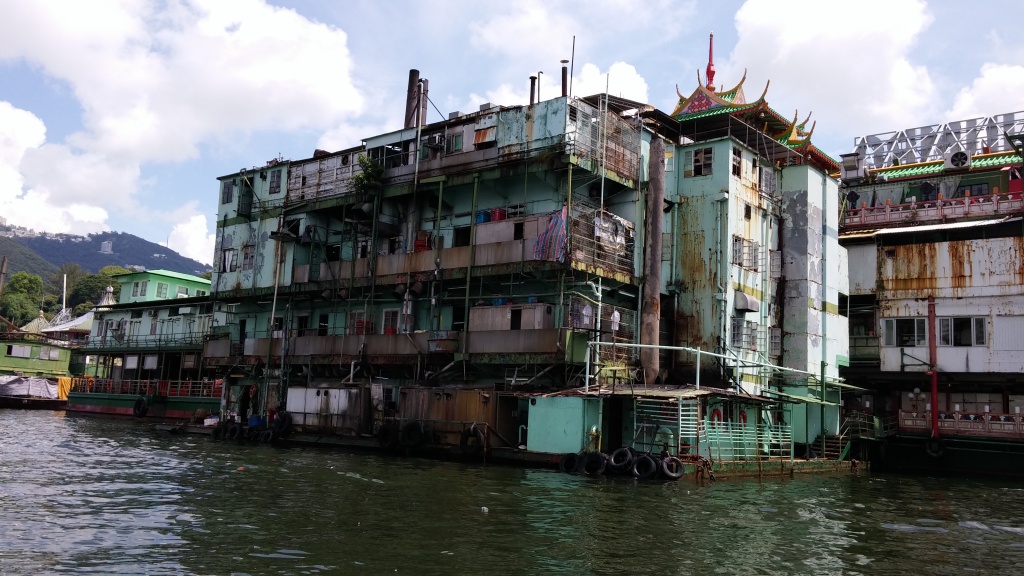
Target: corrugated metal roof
[168,274]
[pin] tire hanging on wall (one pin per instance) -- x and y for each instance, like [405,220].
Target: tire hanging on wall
[645,467]
[388,436]
[141,407]
[672,468]
[471,442]
[569,462]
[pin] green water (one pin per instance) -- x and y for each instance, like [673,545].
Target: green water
[114,497]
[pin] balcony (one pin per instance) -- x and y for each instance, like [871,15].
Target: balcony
[932,211]
[988,425]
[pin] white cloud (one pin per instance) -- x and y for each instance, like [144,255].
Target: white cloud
[191,238]
[996,91]
[621,79]
[851,67]
[155,80]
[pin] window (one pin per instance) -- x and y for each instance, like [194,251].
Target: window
[744,334]
[904,332]
[275,181]
[980,189]
[200,292]
[775,341]
[182,292]
[135,289]
[139,288]
[228,261]
[15,351]
[698,162]
[453,144]
[248,257]
[737,162]
[161,290]
[321,329]
[149,362]
[227,192]
[301,325]
[390,321]
[357,322]
[670,163]
[462,236]
[747,211]
[962,332]
[746,253]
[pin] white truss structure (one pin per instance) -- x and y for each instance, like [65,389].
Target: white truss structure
[934,142]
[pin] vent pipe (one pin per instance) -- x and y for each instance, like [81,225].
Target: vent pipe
[533,88]
[565,78]
[412,98]
[423,102]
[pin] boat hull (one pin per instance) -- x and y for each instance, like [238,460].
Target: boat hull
[158,408]
[31,403]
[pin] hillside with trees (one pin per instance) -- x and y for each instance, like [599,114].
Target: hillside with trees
[127,250]
[22,259]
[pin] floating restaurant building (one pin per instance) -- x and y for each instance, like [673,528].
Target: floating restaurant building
[572,275]
[933,225]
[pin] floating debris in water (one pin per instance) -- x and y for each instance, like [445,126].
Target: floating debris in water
[484,509]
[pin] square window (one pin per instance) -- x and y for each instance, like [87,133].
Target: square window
[227,192]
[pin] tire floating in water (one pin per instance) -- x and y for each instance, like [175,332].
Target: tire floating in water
[141,407]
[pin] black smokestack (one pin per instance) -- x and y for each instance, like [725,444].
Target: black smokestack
[411,97]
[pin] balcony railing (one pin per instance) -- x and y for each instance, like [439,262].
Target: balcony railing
[915,212]
[1009,426]
[169,388]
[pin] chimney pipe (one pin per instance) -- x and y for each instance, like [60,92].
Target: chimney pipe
[423,103]
[533,88]
[411,98]
[565,78]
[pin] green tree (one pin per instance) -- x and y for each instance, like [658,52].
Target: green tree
[90,289]
[25,283]
[208,275]
[19,308]
[370,180]
[83,308]
[72,271]
[113,270]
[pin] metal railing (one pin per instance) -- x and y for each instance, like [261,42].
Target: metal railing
[170,388]
[932,210]
[965,423]
[739,441]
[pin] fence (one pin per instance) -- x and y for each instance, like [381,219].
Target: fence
[965,424]
[175,388]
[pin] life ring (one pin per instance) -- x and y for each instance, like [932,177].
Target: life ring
[934,447]
[233,432]
[672,468]
[593,463]
[569,462]
[621,459]
[471,442]
[743,417]
[413,434]
[645,467]
[388,436]
[716,417]
[141,407]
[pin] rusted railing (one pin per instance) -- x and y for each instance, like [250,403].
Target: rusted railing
[170,388]
[965,424]
[932,210]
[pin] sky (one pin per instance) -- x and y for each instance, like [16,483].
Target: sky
[120,114]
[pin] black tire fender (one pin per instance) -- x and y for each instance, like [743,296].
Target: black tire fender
[569,462]
[268,436]
[645,467]
[621,459]
[141,407]
[413,434]
[388,436]
[593,463]
[672,468]
[934,447]
[471,442]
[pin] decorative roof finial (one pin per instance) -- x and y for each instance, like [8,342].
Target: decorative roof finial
[710,72]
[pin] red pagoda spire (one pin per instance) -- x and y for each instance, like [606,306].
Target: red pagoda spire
[711,63]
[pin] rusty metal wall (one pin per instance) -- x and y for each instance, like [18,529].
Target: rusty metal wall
[448,411]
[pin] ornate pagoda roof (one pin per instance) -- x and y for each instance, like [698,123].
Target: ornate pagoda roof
[706,102]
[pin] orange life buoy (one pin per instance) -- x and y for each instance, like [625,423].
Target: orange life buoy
[743,417]
[716,416]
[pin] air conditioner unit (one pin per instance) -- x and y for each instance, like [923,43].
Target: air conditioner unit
[151,313]
[435,140]
[960,160]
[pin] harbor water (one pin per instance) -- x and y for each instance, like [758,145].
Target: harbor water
[82,495]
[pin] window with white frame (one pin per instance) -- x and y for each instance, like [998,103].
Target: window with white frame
[139,288]
[737,162]
[965,331]
[744,333]
[746,253]
[357,322]
[775,341]
[16,351]
[248,257]
[904,332]
[389,323]
[161,289]
[182,291]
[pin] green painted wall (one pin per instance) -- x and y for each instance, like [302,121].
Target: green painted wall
[562,425]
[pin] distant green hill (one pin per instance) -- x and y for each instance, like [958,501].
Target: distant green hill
[126,250]
[22,259]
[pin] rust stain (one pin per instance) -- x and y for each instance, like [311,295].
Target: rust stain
[960,266]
